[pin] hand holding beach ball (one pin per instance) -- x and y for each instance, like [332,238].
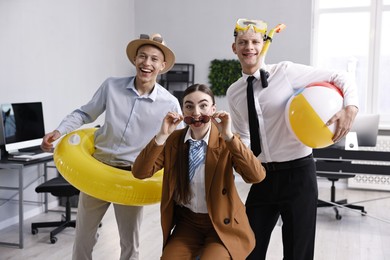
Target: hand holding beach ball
[308,110]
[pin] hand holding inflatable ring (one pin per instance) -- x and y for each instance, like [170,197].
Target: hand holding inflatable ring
[73,159]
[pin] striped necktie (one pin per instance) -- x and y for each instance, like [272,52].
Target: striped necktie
[196,156]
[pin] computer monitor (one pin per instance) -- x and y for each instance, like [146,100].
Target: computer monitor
[366,127]
[22,125]
[3,151]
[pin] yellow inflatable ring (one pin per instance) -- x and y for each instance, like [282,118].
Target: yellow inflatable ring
[73,159]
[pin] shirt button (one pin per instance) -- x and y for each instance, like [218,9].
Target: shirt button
[224,191]
[226,221]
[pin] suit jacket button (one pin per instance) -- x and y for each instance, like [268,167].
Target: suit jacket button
[224,191]
[226,221]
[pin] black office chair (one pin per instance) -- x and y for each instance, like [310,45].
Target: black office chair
[333,178]
[58,187]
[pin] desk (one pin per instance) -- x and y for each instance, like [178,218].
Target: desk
[338,163]
[337,160]
[20,166]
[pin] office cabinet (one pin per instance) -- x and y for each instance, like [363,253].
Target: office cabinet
[181,76]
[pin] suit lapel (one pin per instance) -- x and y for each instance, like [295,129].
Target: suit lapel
[173,157]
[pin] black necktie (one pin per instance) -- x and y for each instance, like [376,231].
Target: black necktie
[253,120]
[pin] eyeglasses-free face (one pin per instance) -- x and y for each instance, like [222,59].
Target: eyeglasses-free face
[243,25]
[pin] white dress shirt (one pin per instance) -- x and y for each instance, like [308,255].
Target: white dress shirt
[277,142]
[198,203]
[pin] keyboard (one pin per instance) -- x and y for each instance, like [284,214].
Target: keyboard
[31,149]
[29,156]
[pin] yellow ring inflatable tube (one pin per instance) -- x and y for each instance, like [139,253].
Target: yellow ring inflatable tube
[73,159]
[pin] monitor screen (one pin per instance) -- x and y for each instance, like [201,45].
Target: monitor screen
[23,125]
[3,151]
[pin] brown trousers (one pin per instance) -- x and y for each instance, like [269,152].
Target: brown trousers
[194,237]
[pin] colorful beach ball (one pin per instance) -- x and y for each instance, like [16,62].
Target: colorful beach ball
[309,109]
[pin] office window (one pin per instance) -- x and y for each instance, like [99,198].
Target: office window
[352,35]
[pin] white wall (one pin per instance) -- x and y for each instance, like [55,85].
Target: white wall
[59,51]
[200,31]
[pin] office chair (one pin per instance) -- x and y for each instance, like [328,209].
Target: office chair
[333,178]
[58,187]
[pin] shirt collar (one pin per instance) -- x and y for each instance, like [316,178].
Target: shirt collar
[205,138]
[256,75]
[152,95]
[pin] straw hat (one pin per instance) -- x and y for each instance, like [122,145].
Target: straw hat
[155,40]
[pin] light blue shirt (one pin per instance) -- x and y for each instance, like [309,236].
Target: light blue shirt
[131,120]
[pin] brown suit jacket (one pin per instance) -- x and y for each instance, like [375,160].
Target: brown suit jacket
[226,210]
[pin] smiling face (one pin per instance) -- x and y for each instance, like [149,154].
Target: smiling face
[198,104]
[149,62]
[247,47]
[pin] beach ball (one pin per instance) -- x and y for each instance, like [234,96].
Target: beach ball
[308,110]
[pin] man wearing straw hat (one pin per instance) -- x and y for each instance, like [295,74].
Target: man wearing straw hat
[134,109]
[290,188]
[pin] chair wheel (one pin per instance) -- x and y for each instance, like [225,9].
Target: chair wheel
[101,224]
[53,240]
[34,231]
[364,213]
[338,217]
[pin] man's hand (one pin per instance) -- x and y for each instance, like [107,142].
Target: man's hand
[48,139]
[343,120]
